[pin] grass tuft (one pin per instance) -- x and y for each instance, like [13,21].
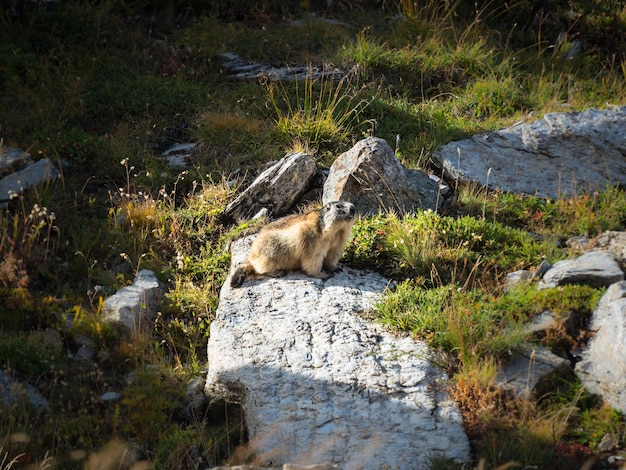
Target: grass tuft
[320,113]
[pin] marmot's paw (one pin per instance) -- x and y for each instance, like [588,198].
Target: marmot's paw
[321,275]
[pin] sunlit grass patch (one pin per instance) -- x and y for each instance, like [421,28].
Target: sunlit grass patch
[586,213]
[322,112]
[445,249]
[464,323]
[477,323]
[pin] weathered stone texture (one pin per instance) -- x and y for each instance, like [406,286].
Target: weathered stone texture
[561,154]
[603,368]
[12,158]
[320,384]
[240,68]
[277,189]
[594,268]
[371,177]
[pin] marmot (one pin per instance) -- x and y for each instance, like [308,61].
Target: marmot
[309,241]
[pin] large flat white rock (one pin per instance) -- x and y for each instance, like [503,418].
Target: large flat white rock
[559,155]
[321,384]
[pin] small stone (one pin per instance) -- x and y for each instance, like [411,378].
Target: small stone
[580,242]
[609,442]
[110,397]
[543,268]
[178,155]
[543,322]
[195,392]
[11,391]
[12,158]
[132,305]
[517,277]
[32,175]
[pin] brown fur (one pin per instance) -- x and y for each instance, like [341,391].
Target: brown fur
[311,242]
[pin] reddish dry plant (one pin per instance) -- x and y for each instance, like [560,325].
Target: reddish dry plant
[486,408]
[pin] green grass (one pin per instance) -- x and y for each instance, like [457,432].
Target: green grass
[107,86]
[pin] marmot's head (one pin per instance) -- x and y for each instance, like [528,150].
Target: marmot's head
[337,212]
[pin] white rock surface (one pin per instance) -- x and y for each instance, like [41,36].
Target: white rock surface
[132,305]
[561,154]
[603,367]
[321,384]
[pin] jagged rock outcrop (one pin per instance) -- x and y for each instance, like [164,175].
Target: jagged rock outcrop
[133,305]
[561,154]
[320,384]
[603,366]
[277,189]
[371,177]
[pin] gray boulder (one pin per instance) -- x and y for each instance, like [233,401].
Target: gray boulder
[12,158]
[594,268]
[371,177]
[561,154]
[277,189]
[603,367]
[319,384]
[133,305]
[31,175]
[530,371]
[12,391]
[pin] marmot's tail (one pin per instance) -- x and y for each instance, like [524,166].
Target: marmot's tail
[240,274]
